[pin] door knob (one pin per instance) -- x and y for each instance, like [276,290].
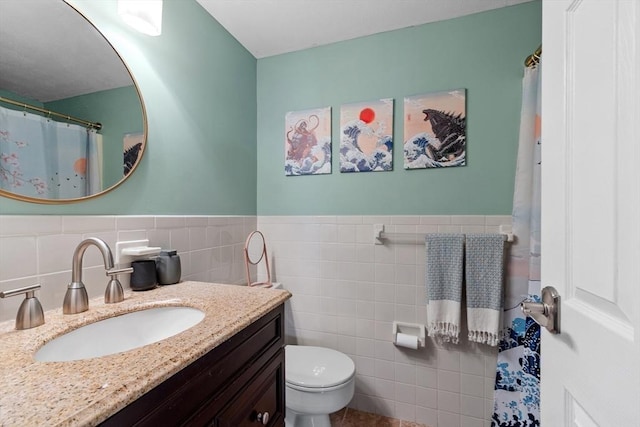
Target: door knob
[547,312]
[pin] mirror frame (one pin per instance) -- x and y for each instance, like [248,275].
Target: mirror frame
[264,255]
[10,195]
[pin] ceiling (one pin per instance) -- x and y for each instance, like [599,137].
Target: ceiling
[51,52]
[272,27]
[39,62]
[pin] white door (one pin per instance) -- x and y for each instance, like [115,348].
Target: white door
[591,211]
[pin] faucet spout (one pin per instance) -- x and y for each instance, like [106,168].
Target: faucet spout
[76,299]
[76,269]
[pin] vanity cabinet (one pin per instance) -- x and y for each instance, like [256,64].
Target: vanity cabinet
[238,383]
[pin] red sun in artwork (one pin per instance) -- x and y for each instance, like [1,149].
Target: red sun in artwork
[367,115]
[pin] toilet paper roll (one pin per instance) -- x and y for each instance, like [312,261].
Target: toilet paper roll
[406,340]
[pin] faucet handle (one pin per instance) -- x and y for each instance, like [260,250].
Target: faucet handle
[114,292]
[30,313]
[114,271]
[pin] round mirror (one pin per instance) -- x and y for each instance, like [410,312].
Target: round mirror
[255,247]
[255,250]
[72,122]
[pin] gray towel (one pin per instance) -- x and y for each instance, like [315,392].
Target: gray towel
[484,285]
[445,253]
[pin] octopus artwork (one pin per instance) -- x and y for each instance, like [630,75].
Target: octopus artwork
[301,138]
[308,142]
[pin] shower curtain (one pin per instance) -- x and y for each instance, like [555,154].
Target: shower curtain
[43,158]
[517,387]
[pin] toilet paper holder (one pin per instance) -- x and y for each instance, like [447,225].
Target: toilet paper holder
[412,329]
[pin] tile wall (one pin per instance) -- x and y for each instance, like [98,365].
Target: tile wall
[39,249]
[347,291]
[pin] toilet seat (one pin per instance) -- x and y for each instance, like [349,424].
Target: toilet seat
[317,369]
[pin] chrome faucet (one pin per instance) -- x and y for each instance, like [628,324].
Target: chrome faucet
[76,299]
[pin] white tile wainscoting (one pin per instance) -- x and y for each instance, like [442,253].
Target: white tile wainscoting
[347,291]
[39,249]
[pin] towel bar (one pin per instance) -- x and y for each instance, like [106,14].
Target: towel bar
[418,238]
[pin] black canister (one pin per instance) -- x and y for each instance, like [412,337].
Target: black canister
[168,267]
[144,276]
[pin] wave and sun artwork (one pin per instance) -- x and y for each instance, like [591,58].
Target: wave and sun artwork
[435,132]
[366,136]
[308,142]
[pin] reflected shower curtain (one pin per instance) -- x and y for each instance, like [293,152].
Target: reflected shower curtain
[43,158]
[517,388]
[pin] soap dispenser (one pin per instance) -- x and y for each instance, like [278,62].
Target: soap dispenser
[168,267]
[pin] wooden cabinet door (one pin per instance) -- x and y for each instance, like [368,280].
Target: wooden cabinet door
[260,398]
[261,401]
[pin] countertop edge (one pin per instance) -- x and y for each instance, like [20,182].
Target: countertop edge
[87,392]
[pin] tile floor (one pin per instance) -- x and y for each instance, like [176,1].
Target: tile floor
[348,417]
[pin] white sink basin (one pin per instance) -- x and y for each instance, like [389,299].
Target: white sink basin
[119,333]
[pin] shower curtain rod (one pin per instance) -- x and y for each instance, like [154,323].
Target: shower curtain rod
[533,59]
[96,126]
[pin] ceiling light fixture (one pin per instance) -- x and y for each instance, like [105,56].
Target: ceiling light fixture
[143,15]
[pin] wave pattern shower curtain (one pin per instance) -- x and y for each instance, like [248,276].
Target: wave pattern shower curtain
[43,158]
[517,388]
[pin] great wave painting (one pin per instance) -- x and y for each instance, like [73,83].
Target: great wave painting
[435,130]
[366,136]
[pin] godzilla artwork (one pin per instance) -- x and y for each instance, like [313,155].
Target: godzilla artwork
[449,129]
[435,130]
[130,157]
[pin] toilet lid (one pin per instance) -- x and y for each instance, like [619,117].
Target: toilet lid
[316,367]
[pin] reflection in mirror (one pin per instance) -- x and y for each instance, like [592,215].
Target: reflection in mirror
[72,123]
[255,250]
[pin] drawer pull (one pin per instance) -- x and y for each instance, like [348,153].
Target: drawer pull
[263,418]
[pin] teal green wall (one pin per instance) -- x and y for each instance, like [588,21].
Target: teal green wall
[203,91]
[18,98]
[119,111]
[199,89]
[483,53]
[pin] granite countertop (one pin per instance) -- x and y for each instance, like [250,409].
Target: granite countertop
[86,392]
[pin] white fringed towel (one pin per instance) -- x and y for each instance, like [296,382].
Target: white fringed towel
[484,286]
[445,255]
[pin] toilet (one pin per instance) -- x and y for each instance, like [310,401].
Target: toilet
[318,382]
